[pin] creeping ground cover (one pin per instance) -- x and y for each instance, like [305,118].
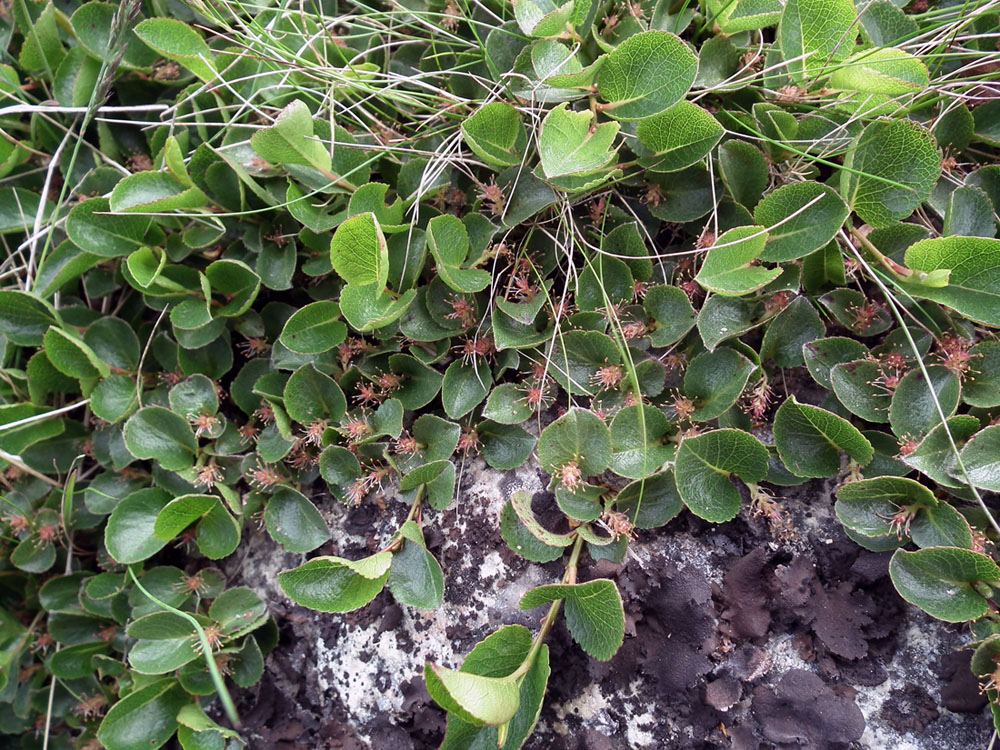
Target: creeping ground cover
[260,259]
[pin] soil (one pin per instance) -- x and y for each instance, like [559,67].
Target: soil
[749,635]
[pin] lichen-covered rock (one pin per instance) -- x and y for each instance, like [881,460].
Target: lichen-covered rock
[743,635]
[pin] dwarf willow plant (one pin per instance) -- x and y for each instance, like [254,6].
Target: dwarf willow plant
[678,254]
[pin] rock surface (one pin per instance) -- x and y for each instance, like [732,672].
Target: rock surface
[751,635]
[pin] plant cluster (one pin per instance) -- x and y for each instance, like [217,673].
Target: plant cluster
[679,254]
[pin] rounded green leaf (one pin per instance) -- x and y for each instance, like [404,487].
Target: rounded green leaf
[314,329]
[868,506]
[93,229]
[484,700]
[415,578]
[646,74]
[496,135]
[890,169]
[809,440]
[145,718]
[729,268]
[178,41]
[807,216]
[973,264]
[359,252]
[678,137]
[822,355]
[464,387]
[24,318]
[580,437]
[155,432]
[941,580]
[638,440]
[649,503]
[812,35]
[504,446]
[981,456]
[294,522]
[331,584]
[744,170]
[310,395]
[715,380]
[129,535]
[704,465]
[290,140]
[936,458]
[886,71]
[913,411]
[856,385]
[594,613]
[574,143]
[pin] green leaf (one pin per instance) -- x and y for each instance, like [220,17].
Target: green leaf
[71,356]
[144,718]
[154,192]
[448,242]
[310,395]
[890,169]
[477,699]
[179,42]
[935,457]
[646,74]
[981,385]
[715,380]
[678,137]
[728,268]
[981,456]
[294,522]
[520,502]
[218,533]
[368,307]
[638,440]
[817,213]
[809,440]
[464,387]
[672,314]
[93,229]
[415,577]
[885,71]
[572,143]
[913,410]
[650,502]
[814,34]
[496,135]
[155,432]
[333,584]
[793,328]
[974,281]
[507,405]
[24,318]
[704,465]
[869,505]
[941,580]
[734,16]
[359,252]
[855,384]
[504,447]
[594,613]
[822,355]
[521,541]
[744,170]
[580,437]
[940,526]
[290,140]
[969,214]
[129,535]
[499,655]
